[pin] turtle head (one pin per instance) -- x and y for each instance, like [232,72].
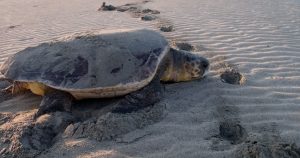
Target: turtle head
[193,67]
[185,66]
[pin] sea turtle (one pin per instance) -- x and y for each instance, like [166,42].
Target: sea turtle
[101,65]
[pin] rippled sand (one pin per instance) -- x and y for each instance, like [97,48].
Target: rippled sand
[259,39]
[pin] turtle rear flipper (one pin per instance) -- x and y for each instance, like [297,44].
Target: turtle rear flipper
[8,90]
[7,85]
[55,101]
[14,88]
[142,98]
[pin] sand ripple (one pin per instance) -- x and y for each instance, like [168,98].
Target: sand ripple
[259,38]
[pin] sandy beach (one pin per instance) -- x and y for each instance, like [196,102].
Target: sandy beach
[257,117]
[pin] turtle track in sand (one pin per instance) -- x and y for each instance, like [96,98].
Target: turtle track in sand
[265,50]
[136,10]
[22,136]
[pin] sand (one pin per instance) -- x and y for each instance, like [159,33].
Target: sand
[206,118]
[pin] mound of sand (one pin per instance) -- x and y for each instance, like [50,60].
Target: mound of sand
[257,39]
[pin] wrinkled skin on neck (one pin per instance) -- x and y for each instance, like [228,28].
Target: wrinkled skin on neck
[184,66]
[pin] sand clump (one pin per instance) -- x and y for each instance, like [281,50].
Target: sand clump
[267,146]
[232,130]
[23,136]
[112,125]
[254,149]
[261,38]
[150,11]
[105,7]
[148,17]
[135,9]
[183,46]
[166,28]
[232,77]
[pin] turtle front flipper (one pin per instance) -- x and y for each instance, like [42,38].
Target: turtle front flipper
[142,98]
[55,100]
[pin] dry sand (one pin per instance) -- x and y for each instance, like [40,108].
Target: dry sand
[207,118]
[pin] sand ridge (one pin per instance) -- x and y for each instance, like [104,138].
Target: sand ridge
[259,38]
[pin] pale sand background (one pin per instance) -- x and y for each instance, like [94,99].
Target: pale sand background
[261,38]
